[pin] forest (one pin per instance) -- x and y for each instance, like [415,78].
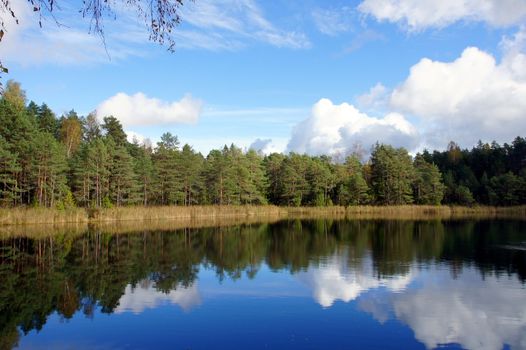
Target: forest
[71,160]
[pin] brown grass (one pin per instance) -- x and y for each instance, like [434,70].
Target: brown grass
[17,216]
[199,216]
[211,212]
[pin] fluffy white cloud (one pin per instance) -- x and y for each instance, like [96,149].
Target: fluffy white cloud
[145,296]
[418,14]
[131,136]
[477,313]
[336,129]
[471,98]
[375,97]
[335,281]
[139,109]
[260,144]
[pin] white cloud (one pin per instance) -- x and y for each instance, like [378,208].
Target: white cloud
[66,44]
[139,109]
[332,22]
[471,98]
[336,129]
[145,296]
[477,313]
[260,144]
[335,281]
[131,136]
[418,15]
[230,24]
[268,146]
[374,98]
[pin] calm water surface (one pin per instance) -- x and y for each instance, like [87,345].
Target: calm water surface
[292,284]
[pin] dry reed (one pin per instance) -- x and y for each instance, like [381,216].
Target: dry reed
[198,216]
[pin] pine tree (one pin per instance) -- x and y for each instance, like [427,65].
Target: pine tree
[257,179]
[113,128]
[165,160]
[91,128]
[392,174]
[9,168]
[123,181]
[357,186]
[98,164]
[49,164]
[190,170]
[294,185]
[273,166]
[18,130]
[427,186]
[46,120]
[145,174]
[218,177]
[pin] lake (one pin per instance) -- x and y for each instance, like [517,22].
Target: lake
[311,284]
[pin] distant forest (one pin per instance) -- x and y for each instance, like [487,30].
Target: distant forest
[79,161]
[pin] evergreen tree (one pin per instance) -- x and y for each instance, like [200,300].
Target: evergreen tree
[49,163]
[321,181]
[122,180]
[392,175]
[168,184]
[97,168]
[357,188]
[91,128]
[273,166]
[257,190]
[9,168]
[294,185]
[145,174]
[427,186]
[190,171]
[220,179]
[113,128]
[46,120]
[505,190]
[18,130]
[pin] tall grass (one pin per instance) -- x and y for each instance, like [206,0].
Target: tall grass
[17,216]
[196,216]
[211,212]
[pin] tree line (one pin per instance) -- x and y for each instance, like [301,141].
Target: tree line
[81,161]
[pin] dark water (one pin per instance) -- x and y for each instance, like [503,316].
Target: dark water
[292,284]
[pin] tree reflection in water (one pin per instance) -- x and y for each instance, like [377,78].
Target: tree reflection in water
[338,260]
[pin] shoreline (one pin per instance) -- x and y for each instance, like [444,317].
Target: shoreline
[213,214]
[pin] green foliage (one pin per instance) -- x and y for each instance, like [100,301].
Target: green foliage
[392,174]
[113,128]
[357,188]
[46,120]
[106,202]
[463,196]
[76,161]
[427,186]
[505,189]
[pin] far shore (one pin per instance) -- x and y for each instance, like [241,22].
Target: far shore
[194,216]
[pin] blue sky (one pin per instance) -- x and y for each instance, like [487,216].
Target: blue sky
[315,77]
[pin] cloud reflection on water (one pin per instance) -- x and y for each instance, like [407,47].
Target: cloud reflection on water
[477,313]
[146,296]
[335,280]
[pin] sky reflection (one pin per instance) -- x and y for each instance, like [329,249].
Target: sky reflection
[146,296]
